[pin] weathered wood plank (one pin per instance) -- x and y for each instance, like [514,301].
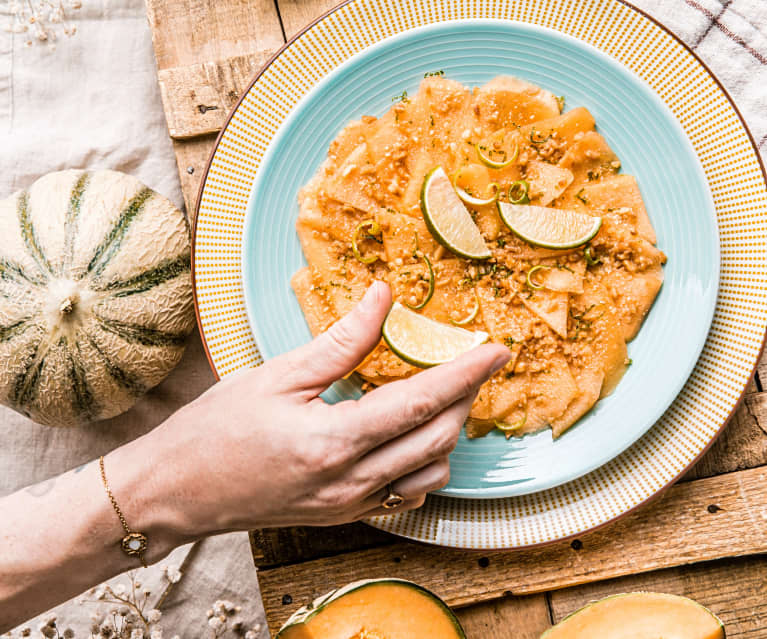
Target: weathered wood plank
[192,158]
[187,32]
[296,14]
[761,372]
[724,516]
[518,617]
[743,444]
[756,405]
[734,589]
[280,546]
[197,98]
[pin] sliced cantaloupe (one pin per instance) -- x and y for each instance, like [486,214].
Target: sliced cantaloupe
[620,192]
[566,126]
[312,301]
[547,182]
[551,307]
[639,615]
[375,609]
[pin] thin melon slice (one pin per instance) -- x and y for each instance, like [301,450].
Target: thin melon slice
[566,126]
[506,102]
[547,181]
[346,141]
[621,191]
[551,307]
[403,235]
[375,609]
[312,301]
[640,615]
[350,185]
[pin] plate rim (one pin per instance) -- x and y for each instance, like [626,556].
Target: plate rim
[246,259]
[671,482]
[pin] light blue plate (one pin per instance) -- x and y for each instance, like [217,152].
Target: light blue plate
[651,146]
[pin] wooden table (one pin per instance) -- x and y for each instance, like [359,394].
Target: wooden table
[704,538]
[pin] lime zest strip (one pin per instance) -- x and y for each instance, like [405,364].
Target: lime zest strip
[375,229]
[483,153]
[430,292]
[472,199]
[591,260]
[472,315]
[509,429]
[530,274]
[518,192]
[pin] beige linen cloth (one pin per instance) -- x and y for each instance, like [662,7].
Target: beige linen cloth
[94,102]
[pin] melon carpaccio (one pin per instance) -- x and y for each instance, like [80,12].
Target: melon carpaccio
[639,615]
[95,295]
[375,609]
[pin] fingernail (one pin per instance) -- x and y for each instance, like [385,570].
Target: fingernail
[373,294]
[499,362]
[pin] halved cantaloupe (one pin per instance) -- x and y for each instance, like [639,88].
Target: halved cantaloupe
[375,609]
[639,615]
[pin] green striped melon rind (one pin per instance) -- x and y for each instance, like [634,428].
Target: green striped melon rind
[304,614]
[94,366]
[591,604]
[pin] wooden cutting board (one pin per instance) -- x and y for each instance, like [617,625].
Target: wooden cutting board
[207,52]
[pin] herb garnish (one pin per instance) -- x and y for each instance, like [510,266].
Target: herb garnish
[402,97]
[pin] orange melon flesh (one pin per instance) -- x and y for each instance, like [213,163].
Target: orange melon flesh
[378,610]
[639,615]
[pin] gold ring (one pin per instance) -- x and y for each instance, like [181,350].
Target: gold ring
[392,499]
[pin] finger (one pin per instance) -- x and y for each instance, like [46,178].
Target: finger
[396,408]
[408,505]
[414,450]
[340,349]
[413,486]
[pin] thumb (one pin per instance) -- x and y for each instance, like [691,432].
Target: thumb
[340,349]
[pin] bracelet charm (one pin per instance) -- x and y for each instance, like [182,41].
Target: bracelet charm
[134,544]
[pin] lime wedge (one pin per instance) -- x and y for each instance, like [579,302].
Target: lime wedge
[424,342]
[548,227]
[448,219]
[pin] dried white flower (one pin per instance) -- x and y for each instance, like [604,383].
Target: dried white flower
[216,623]
[173,574]
[251,635]
[156,634]
[153,616]
[137,633]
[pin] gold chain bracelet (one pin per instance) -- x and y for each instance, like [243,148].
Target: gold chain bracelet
[134,543]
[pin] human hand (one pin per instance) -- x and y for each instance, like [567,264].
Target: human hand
[261,449]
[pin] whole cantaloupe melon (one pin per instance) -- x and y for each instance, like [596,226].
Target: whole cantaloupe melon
[95,295]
